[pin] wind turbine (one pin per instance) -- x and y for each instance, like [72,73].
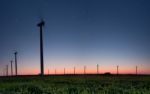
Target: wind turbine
[48,71]
[136,70]
[64,71]
[74,70]
[55,71]
[84,69]
[6,70]
[117,69]
[15,53]
[40,25]
[97,69]
[11,62]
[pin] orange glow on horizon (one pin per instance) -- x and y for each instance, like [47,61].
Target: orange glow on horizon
[81,71]
[91,68]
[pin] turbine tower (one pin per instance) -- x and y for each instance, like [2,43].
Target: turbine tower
[6,70]
[136,70]
[97,69]
[11,68]
[41,24]
[55,71]
[74,70]
[117,70]
[64,71]
[16,62]
[48,71]
[84,69]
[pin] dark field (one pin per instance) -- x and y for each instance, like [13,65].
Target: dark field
[75,84]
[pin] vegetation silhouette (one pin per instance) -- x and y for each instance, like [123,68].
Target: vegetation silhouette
[107,74]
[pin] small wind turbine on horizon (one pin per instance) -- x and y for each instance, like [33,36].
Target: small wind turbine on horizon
[6,70]
[64,71]
[74,70]
[117,69]
[48,71]
[11,62]
[136,70]
[16,70]
[84,69]
[55,71]
[97,69]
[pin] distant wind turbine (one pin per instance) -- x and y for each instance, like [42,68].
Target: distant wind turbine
[11,62]
[15,53]
[84,69]
[4,73]
[6,70]
[117,70]
[64,71]
[136,70]
[74,70]
[55,71]
[97,69]
[48,71]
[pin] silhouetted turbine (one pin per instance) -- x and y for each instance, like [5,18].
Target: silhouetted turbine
[41,24]
[64,71]
[84,69]
[97,69]
[136,70]
[55,72]
[48,71]
[3,71]
[11,68]
[16,62]
[6,70]
[117,70]
[74,70]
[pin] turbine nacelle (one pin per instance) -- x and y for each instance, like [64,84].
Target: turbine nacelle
[42,23]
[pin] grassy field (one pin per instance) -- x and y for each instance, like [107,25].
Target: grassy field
[79,84]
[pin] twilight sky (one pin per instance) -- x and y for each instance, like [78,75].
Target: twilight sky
[76,33]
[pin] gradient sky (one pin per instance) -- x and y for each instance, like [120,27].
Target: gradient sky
[76,33]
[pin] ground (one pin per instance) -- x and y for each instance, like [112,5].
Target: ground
[76,84]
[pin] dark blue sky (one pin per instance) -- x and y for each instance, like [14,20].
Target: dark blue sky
[77,32]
